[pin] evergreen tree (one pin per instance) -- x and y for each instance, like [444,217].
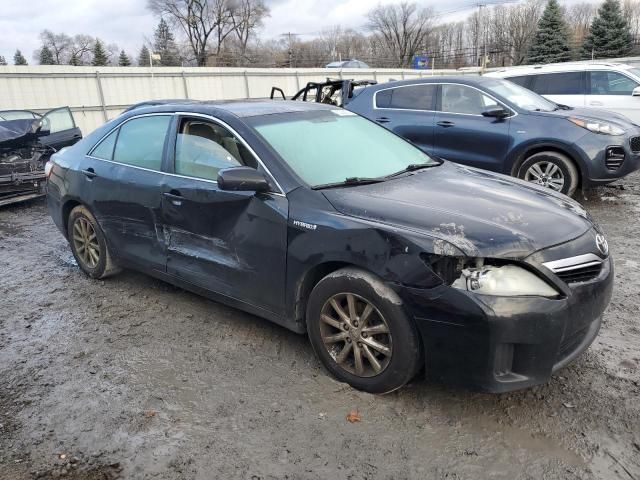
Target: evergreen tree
[46,57]
[18,58]
[551,41]
[165,45]
[123,60]
[74,60]
[2,60]
[99,55]
[144,57]
[609,35]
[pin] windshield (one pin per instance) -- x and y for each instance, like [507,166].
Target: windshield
[330,146]
[521,97]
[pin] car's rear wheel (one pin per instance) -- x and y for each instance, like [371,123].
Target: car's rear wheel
[552,170]
[89,245]
[361,333]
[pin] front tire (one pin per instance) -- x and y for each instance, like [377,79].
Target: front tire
[552,170]
[89,245]
[360,332]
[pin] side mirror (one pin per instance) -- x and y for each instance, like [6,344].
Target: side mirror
[242,179]
[636,92]
[495,112]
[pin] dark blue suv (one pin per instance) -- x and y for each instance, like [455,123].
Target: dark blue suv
[497,125]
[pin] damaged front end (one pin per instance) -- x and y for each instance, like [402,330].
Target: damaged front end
[22,160]
[330,92]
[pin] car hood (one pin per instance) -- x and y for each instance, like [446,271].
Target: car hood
[592,114]
[481,213]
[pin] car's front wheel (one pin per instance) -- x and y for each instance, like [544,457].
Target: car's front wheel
[361,333]
[552,170]
[89,245]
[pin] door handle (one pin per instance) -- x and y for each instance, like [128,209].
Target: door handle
[174,197]
[383,120]
[446,124]
[90,173]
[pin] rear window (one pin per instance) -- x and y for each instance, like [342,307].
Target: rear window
[411,97]
[566,83]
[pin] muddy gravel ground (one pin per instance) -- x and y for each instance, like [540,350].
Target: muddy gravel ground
[133,378]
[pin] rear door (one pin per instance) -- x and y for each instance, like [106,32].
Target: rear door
[463,135]
[230,243]
[611,90]
[566,88]
[123,184]
[63,130]
[407,110]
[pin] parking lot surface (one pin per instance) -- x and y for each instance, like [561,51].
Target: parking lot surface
[133,378]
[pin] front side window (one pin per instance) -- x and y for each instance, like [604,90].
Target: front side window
[566,83]
[611,83]
[412,97]
[328,146]
[140,142]
[204,148]
[466,100]
[59,120]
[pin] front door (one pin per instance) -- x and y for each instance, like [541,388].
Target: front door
[231,243]
[463,135]
[408,111]
[613,91]
[63,131]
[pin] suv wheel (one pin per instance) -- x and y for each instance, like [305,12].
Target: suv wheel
[89,245]
[359,330]
[552,170]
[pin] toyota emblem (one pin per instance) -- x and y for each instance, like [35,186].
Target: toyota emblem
[602,244]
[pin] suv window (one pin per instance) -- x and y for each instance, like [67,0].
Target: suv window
[203,148]
[412,97]
[522,80]
[141,141]
[466,100]
[566,83]
[610,83]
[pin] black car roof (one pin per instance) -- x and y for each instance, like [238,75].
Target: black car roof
[240,108]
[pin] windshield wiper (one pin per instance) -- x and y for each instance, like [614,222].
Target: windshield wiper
[411,168]
[350,181]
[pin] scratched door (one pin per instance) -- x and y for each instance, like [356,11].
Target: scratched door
[232,243]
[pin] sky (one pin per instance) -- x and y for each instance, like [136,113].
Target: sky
[128,22]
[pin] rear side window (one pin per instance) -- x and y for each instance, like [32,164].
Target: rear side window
[104,149]
[413,97]
[611,83]
[566,83]
[141,141]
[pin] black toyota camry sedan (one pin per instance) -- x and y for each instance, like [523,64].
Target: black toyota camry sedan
[319,220]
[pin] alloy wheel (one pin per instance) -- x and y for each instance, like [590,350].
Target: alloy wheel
[355,334]
[86,243]
[547,174]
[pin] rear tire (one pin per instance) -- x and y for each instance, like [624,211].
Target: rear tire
[551,169]
[89,245]
[360,332]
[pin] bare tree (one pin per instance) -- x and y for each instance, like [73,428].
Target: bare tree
[80,49]
[200,20]
[401,28]
[57,43]
[631,12]
[579,17]
[246,17]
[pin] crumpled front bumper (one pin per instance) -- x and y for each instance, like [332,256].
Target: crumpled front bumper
[500,344]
